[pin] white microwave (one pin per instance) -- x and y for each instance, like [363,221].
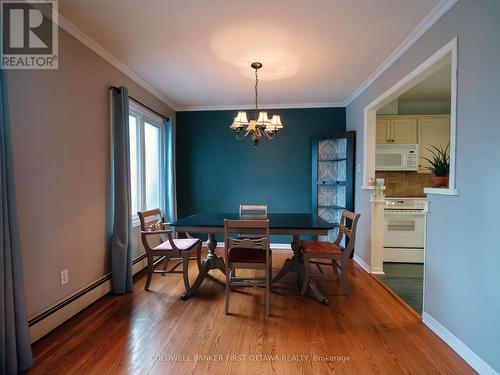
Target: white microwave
[393,157]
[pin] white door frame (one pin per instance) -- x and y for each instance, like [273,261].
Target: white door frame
[435,62]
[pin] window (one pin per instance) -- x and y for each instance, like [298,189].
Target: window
[147,160]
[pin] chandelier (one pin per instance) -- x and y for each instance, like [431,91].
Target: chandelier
[262,127]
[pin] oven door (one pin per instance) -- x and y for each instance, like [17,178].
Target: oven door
[404,229]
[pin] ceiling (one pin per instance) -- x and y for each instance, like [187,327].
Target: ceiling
[435,87]
[197,53]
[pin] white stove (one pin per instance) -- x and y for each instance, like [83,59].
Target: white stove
[404,230]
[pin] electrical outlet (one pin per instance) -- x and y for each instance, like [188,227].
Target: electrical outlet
[64,277]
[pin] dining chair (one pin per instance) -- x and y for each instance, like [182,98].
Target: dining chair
[247,253]
[253,211]
[317,252]
[168,248]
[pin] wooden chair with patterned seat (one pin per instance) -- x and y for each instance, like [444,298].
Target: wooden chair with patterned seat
[316,251]
[247,253]
[169,248]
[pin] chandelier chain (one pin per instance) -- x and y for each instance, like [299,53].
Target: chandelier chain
[256,95]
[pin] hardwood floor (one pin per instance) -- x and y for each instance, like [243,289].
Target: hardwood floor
[156,333]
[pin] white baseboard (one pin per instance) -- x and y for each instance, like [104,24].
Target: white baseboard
[362,263]
[44,326]
[55,319]
[476,362]
[281,246]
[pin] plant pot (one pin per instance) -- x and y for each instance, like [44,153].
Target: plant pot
[440,181]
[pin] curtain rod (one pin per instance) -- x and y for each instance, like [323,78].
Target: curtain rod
[144,105]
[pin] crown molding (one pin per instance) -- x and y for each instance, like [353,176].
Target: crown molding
[436,13]
[261,106]
[77,33]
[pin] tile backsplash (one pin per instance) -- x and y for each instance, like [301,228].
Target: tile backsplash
[405,184]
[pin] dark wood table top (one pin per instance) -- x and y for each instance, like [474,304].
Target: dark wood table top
[277,222]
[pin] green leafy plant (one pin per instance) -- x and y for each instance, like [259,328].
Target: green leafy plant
[440,161]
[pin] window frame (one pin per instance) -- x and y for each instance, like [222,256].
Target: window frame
[143,116]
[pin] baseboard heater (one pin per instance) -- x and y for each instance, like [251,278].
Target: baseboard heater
[36,323]
[49,319]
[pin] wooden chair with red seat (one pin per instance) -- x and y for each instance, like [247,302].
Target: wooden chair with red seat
[247,253]
[169,249]
[315,251]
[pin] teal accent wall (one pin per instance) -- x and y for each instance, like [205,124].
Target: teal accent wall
[216,172]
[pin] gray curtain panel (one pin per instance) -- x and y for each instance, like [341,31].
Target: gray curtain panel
[121,252]
[15,342]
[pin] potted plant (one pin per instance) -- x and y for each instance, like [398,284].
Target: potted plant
[439,165]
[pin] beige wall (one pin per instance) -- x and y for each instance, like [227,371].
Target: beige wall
[60,126]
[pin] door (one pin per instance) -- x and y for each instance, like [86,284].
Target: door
[404,131]
[431,132]
[404,229]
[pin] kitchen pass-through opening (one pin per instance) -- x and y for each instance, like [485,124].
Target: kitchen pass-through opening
[410,147]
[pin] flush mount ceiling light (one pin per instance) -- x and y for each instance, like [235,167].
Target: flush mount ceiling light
[262,127]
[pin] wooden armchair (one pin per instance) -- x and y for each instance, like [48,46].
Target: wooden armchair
[332,251]
[247,253]
[170,249]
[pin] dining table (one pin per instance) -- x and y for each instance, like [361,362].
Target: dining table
[292,224]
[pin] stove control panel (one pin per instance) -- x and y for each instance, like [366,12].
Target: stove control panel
[405,203]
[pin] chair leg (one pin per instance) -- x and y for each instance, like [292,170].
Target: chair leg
[319,268]
[226,299]
[165,263]
[268,287]
[149,272]
[185,268]
[335,267]
[270,271]
[305,283]
[345,278]
[198,257]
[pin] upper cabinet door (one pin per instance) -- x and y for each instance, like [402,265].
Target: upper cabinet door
[404,131]
[431,132]
[383,130]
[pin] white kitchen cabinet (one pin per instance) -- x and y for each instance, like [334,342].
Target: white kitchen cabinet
[383,130]
[396,129]
[404,131]
[432,131]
